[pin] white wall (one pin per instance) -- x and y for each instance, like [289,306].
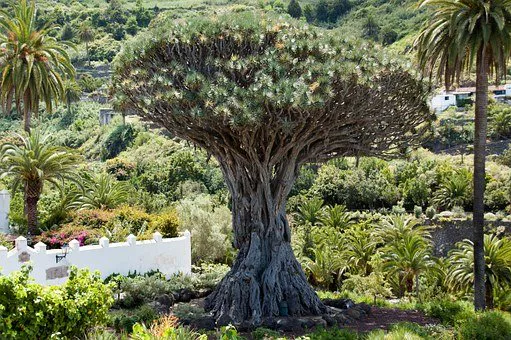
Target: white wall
[5,202]
[441,102]
[169,256]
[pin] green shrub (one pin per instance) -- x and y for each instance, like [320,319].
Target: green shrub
[486,326]
[262,333]
[430,212]
[6,242]
[166,223]
[448,312]
[125,320]
[118,140]
[29,310]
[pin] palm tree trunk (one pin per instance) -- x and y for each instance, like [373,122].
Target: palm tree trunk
[481,106]
[489,295]
[31,211]
[87,52]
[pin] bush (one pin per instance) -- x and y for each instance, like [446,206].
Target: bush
[486,326]
[210,226]
[29,310]
[430,212]
[6,242]
[118,140]
[166,223]
[55,239]
[448,312]
[124,322]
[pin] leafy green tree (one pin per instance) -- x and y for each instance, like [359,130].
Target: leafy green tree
[370,28]
[322,11]
[34,64]
[337,9]
[497,267]
[294,9]
[458,34]
[308,13]
[67,32]
[142,14]
[33,161]
[87,35]
[239,87]
[132,25]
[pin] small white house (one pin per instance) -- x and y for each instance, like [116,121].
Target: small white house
[443,101]
[5,202]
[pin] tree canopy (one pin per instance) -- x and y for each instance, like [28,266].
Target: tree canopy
[223,82]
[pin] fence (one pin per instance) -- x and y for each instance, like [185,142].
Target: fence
[50,267]
[5,201]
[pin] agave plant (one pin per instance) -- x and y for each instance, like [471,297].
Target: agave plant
[104,192]
[31,162]
[460,276]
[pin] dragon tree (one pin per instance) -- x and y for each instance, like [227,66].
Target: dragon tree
[265,96]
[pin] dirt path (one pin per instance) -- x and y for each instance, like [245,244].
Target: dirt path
[383,318]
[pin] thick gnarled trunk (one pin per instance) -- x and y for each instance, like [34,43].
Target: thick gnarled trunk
[265,276]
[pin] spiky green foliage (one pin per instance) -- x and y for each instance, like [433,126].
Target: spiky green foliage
[34,63]
[104,192]
[450,43]
[278,79]
[30,162]
[455,190]
[460,277]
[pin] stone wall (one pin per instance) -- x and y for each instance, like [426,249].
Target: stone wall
[447,232]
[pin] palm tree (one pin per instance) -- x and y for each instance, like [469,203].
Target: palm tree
[72,93]
[408,258]
[459,33]
[33,62]
[33,161]
[336,217]
[104,192]
[497,269]
[86,35]
[455,190]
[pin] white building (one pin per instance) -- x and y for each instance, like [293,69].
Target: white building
[5,202]
[442,101]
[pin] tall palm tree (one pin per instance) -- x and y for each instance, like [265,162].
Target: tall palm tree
[86,35]
[33,161]
[460,276]
[72,92]
[33,62]
[458,34]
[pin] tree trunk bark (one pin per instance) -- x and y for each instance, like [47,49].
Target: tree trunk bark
[489,295]
[265,274]
[32,221]
[481,106]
